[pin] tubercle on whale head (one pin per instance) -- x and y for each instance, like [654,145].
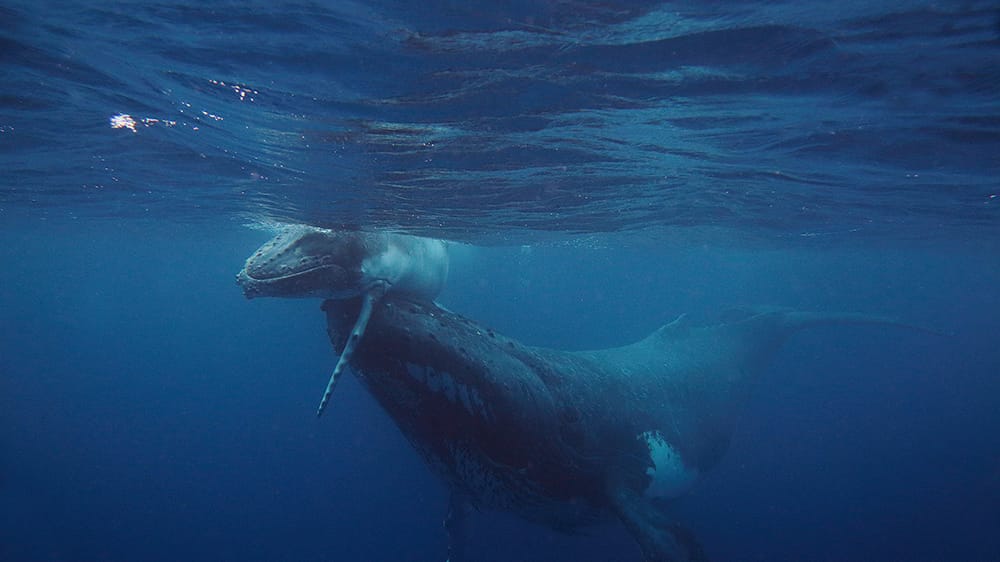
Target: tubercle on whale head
[305,261]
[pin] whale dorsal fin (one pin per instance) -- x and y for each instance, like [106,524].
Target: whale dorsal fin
[682,322]
[676,328]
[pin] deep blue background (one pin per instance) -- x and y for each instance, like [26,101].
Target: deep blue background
[149,412]
[653,158]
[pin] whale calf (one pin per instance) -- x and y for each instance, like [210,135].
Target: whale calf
[306,261]
[564,439]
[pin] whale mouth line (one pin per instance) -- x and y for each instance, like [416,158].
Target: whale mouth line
[288,275]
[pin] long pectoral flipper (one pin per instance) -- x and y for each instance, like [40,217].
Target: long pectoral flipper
[367,303]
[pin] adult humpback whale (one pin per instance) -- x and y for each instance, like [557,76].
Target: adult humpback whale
[565,439]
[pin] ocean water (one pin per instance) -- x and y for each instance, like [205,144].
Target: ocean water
[600,168]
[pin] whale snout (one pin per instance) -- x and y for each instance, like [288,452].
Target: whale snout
[250,289]
[304,261]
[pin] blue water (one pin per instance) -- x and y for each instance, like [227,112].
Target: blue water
[607,166]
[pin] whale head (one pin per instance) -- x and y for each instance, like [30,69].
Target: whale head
[305,261]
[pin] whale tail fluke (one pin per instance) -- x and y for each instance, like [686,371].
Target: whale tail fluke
[660,539]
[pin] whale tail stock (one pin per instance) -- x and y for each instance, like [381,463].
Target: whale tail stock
[750,336]
[789,320]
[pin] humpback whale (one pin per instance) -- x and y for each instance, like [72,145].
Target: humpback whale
[564,439]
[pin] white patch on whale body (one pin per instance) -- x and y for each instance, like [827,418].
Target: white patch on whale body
[411,265]
[447,385]
[417,372]
[463,393]
[670,477]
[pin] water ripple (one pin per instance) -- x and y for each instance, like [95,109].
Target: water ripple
[766,120]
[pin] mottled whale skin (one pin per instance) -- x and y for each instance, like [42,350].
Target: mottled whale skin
[562,438]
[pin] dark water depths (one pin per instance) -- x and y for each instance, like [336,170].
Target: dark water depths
[617,163]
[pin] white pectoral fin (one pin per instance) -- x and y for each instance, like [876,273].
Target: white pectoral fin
[367,303]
